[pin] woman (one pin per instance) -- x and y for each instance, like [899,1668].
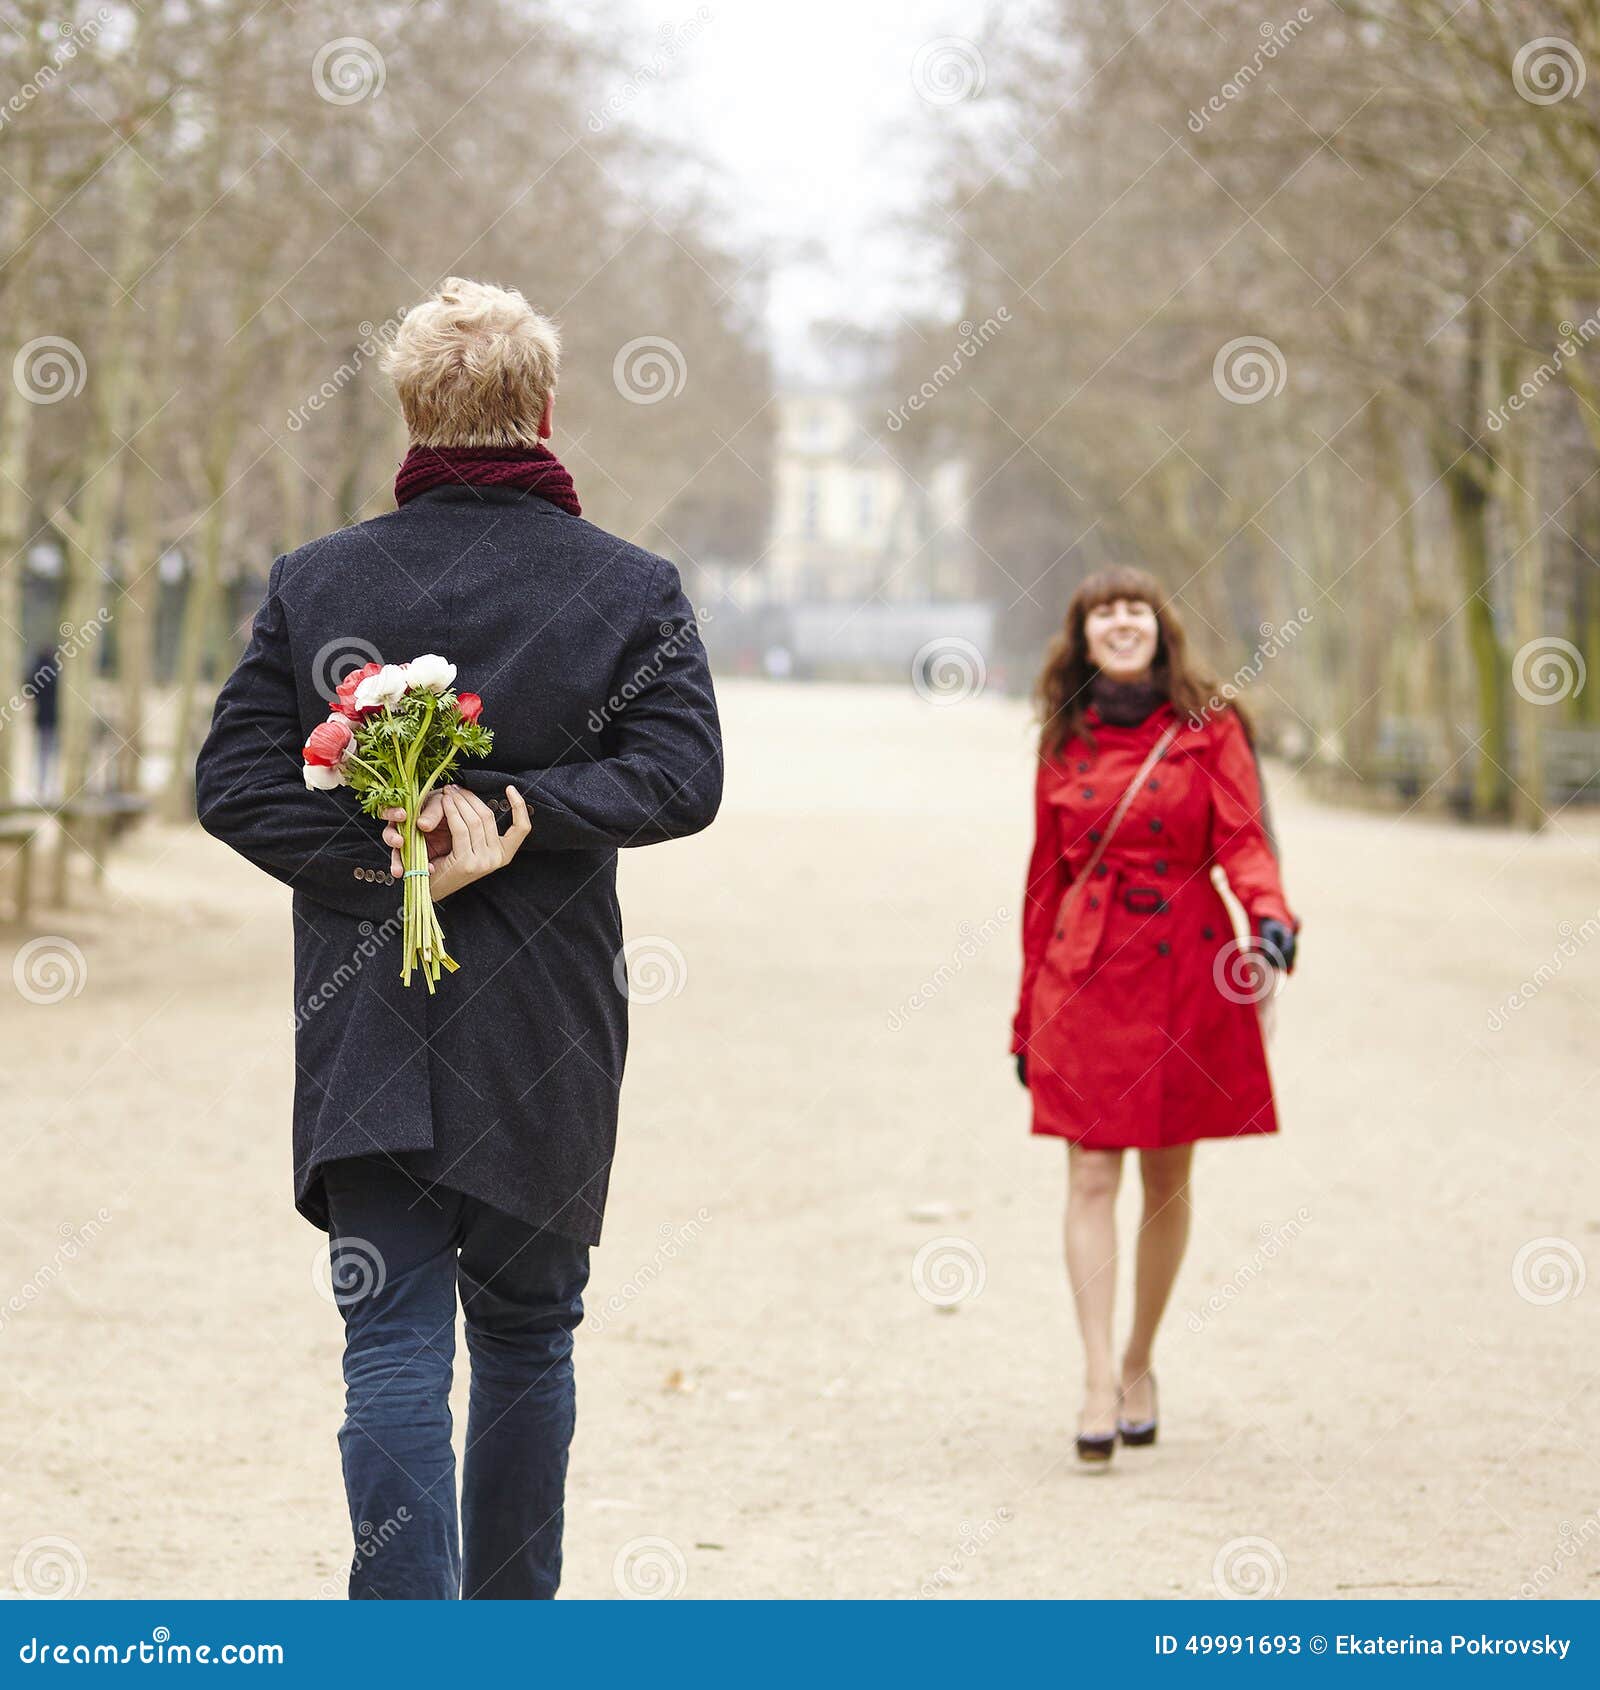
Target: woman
[1137,1026]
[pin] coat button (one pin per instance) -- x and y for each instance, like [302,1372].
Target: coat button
[1061,933]
[1161,865]
[1155,824]
[1094,836]
[1163,948]
[1208,933]
[1088,792]
[1102,871]
[356,872]
[1153,784]
[1094,903]
[1083,768]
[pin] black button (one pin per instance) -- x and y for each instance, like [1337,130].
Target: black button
[1088,792]
[1060,933]
[1161,867]
[1083,768]
[1094,836]
[1163,948]
[1102,871]
[1153,784]
[1155,824]
[1207,933]
[1094,903]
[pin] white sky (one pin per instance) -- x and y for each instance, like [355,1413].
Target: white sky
[824,144]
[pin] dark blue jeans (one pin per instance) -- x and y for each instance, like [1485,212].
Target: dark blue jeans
[400,1252]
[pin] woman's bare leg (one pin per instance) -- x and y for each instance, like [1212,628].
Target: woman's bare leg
[1091,1242]
[1163,1234]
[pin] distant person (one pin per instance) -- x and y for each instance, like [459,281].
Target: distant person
[1137,1026]
[461,1146]
[42,683]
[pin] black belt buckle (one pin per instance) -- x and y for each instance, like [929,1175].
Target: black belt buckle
[1144,900]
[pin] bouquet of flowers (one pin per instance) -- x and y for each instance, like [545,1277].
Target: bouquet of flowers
[394,731]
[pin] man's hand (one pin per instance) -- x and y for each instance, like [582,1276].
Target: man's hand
[472,848]
[438,837]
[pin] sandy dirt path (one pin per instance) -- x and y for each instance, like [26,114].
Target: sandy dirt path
[1376,1380]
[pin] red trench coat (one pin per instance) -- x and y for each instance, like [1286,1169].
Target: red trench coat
[1136,1029]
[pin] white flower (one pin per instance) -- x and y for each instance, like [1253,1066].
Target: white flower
[320,779]
[431,671]
[386,687]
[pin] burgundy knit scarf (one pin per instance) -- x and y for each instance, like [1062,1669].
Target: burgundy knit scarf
[534,468]
[1125,704]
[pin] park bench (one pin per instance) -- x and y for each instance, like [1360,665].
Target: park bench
[1409,755]
[1571,764]
[96,820]
[18,830]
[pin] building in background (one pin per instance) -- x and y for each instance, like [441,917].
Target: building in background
[868,559]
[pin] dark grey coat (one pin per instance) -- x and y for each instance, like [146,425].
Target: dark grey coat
[594,680]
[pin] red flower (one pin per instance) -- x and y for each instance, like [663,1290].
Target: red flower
[470,706]
[345,704]
[328,743]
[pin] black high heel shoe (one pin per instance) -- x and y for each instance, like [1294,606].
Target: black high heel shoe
[1142,1431]
[1096,1448]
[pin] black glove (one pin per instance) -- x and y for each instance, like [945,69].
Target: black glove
[1022,1070]
[1277,944]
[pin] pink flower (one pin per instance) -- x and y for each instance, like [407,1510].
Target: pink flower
[330,743]
[345,704]
[470,706]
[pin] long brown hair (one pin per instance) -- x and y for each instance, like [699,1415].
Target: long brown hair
[1062,692]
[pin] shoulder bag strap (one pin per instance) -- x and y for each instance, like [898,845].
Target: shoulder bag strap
[1124,803]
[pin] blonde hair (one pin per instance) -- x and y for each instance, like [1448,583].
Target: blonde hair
[473,366]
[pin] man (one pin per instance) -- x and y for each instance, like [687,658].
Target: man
[42,683]
[464,1142]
